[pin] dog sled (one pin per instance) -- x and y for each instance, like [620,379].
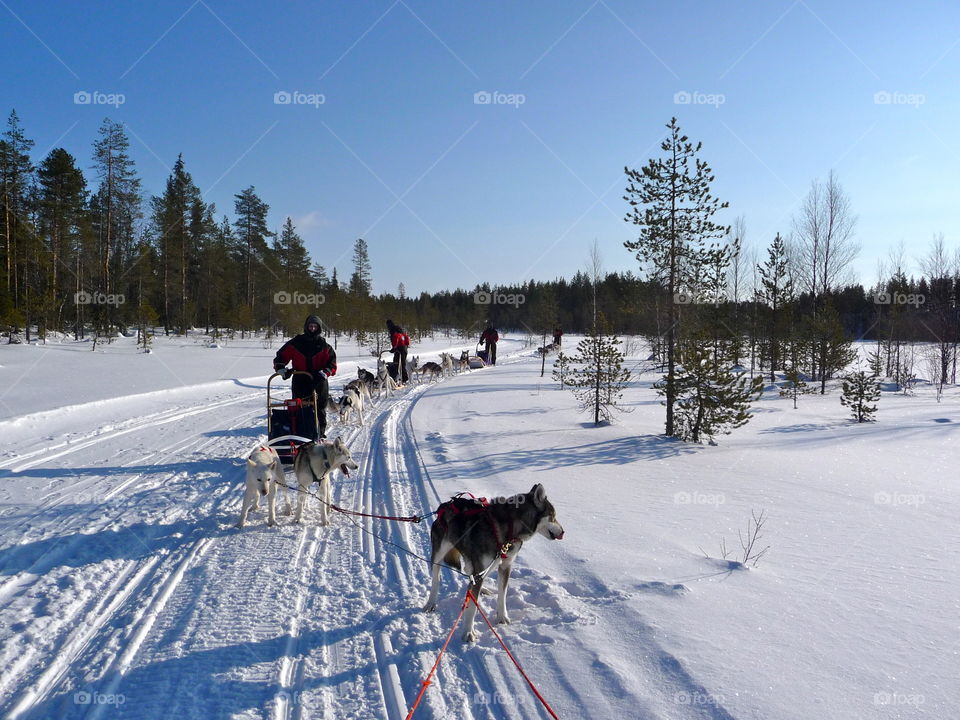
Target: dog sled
[478,359]
[291,422]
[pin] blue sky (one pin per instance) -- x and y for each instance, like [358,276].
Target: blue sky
[449,192]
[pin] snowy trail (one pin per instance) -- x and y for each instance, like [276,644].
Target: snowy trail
[132,593]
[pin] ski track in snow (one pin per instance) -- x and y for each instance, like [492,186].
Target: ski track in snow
[150,594]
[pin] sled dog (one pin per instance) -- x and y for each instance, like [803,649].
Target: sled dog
[351,402]
[446,362]
[368,380]
[470,535]
[432,369]
[546,349]
[264,475]
[412,366]
[464,362]
[358,386]
[314,463]
[385,383]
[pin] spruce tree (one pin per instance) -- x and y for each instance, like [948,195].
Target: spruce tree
[671,202]
[597,376]
[251,229]
[711,399]
[861,393]
[16,173]
[775,293]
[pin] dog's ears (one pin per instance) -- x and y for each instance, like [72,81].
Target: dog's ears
[539,495]
[251,462]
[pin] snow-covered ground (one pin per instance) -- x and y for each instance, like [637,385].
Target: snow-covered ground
[125,589]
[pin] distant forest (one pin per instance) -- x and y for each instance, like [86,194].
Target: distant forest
[102,259]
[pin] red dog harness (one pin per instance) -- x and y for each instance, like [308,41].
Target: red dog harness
[459,505]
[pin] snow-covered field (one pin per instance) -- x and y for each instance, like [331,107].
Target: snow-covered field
[126,591]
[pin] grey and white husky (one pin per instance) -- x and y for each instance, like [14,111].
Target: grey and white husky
[472,536]
[314,463]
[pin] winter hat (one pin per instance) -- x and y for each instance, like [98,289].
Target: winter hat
[312,319]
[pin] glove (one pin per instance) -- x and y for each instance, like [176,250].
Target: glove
[287,372]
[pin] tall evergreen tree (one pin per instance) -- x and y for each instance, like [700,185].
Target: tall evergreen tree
[292,255]
[16,176]
[361,282]
[252,233]
[775,292]
[671,202]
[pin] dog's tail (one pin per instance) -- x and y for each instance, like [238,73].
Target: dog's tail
[452,558]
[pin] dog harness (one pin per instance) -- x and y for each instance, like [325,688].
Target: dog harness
[459,505]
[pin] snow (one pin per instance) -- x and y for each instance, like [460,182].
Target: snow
[125,589]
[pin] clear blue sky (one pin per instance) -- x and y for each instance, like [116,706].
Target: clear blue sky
[448,192]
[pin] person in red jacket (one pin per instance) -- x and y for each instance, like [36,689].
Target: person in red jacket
[491,338]
[399,343]
[310,353]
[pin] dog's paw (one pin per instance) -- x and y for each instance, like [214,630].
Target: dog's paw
[503,619]
[430,607]
[471,636]
[239,526]
[272,523]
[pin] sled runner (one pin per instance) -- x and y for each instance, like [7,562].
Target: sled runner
[291,422]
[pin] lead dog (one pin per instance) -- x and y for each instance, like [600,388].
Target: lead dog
[264,475]
[477,533]
[314,463]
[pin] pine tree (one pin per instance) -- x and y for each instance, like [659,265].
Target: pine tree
[775,292]
[16,172]
[711,399]
[795,386]
[833,350]
[252,233]
[117,207]
[597,376]
[320,280]
[561,368]
[670,201]
[861,393]
[361,282]
[293,256]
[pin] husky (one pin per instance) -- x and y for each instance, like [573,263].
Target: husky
[314,463]
[368,380]
[464,362]
[350,402]
[432,369]
[476,533]
[546,349]
[359,387]
[412,365]
[332,405]
[264,475]
[385,383]
[446,362]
